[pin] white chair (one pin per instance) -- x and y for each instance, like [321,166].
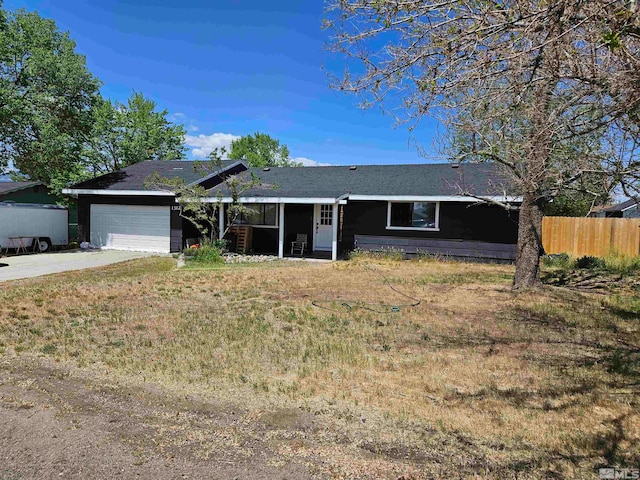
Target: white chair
[300,245]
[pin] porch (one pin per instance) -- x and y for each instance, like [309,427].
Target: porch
[316,255]
[272,228]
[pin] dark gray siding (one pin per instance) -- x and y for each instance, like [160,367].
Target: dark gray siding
[176,229]
[458,221]
[633,212]
[457,249]
[265,240]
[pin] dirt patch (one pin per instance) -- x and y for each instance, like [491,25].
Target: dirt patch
[289,419]
[54,425]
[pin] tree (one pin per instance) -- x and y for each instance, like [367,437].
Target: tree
[261,150]
[577,199]
[46,93]
[124,134]
[578,204]
[548,90]
[197,205]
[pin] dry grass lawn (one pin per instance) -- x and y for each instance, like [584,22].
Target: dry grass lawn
[474,382]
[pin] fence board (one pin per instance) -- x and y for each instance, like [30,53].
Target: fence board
[598,237]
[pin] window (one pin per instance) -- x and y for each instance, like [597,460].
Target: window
[260,214]
[326,214]
[413,216]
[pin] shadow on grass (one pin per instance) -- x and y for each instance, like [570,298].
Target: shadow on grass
[597,340]
[552,340]
[630,312]
[609,444]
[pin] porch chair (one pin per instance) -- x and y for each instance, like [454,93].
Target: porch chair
[189,242]
[300,244]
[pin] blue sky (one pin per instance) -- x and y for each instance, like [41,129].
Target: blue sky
[226,68]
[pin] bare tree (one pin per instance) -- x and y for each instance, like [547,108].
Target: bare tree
[199,207]
[548,90]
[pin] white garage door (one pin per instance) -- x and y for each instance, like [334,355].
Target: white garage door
[130,227]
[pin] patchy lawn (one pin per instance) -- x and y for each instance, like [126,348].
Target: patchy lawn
[296,370]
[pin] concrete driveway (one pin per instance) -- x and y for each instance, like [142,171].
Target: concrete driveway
[24,266]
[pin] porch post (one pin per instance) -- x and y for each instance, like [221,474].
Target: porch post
[334,241]
[221,221]
[281,231]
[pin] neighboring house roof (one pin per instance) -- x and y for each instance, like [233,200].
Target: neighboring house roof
[133,177]
[621,207]
[10,187]
[422,180]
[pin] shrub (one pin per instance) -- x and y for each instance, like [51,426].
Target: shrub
[221,244]
[190,252]
[208,253]
[590,263]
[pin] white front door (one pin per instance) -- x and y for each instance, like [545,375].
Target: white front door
[322,227]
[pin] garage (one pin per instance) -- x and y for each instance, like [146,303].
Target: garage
[142,228]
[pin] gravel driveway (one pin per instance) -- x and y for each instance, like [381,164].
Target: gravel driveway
[24,266]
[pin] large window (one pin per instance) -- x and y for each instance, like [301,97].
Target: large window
[413,216]
[260,214]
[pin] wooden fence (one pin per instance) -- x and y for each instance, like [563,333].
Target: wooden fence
[598,237]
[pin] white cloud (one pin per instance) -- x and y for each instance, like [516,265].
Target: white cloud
[181,118]
[177,117]
[307,162]
[204,144]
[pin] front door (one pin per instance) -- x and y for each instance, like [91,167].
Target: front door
[323,227]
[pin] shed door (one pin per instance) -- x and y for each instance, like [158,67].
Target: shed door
[140,228]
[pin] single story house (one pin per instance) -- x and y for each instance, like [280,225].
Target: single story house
[25,192]
[627,209]
[410,207]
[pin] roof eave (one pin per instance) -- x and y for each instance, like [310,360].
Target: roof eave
[289,200]
[127,193]
[438,198]
[635,205]
[23,187]
[342,199]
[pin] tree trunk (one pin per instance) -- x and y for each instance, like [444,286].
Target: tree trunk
[529,247]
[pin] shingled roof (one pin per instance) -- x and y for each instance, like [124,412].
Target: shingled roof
[621,207]
[9,187]
[134,176]
[483,179]
[380,180]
